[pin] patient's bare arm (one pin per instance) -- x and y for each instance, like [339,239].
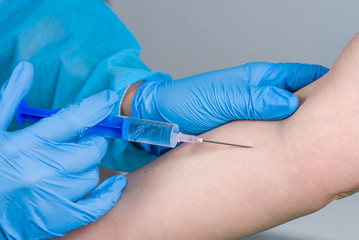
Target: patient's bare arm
[296,166]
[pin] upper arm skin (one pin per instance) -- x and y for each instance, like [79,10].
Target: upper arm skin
[208,191]
[205,191]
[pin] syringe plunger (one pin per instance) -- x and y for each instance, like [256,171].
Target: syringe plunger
[128,128]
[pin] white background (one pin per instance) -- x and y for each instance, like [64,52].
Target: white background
[187,37]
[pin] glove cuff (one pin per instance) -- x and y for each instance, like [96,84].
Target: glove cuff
[145,103]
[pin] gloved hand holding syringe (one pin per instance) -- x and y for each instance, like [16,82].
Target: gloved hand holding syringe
[127,128]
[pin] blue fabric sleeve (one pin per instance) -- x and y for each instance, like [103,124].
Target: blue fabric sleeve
[78,48]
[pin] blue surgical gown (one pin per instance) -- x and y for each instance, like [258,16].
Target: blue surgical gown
[78,48]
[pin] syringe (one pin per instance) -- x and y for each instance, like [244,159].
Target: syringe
[128,128]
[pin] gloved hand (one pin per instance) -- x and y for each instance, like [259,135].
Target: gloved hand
[256,91]
[43,176]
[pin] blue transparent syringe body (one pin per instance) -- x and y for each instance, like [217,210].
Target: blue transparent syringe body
[128,128]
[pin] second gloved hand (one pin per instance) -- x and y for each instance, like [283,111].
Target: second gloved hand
[44,173]
[255,91]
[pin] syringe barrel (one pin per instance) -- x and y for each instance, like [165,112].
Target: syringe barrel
[151,132]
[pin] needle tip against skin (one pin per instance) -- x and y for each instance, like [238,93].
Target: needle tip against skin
[223,143]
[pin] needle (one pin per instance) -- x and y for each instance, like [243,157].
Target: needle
[230,144]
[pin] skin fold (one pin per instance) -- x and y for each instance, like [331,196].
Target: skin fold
[205,191]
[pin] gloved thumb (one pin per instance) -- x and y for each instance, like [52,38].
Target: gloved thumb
[13,91]
[103,198]
[271,103]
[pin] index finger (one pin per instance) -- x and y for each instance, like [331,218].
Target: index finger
[71,121]
[292,76]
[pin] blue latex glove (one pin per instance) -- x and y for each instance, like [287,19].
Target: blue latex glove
[43,175]
[256,91]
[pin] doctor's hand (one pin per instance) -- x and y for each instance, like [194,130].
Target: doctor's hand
[44,173]
[253,91]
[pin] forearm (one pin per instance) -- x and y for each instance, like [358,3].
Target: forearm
[211,192]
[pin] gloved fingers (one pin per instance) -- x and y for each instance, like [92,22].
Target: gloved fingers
[73,186]
[74,157]
[154,150]
[101,200]
[13,91]
[292,76]
[81,155]
[75,119]
[270,103]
